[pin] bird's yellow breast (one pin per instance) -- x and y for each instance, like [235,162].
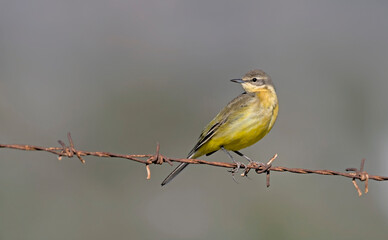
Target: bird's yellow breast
[248,125]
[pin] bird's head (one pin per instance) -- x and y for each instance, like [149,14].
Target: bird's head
[255,81]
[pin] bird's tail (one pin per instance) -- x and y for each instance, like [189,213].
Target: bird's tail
[174,173]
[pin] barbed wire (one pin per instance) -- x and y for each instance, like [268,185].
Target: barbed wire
[157,158]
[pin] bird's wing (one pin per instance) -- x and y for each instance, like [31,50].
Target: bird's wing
[228,112]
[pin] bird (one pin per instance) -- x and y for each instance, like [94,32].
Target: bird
[244,121]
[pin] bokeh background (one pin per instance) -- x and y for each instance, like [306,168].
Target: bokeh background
[124,75]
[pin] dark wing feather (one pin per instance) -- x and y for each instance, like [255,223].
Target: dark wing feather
[211,129]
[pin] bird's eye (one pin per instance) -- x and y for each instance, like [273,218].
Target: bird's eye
[254,79]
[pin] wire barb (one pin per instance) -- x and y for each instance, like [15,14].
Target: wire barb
[148,171]
[157,158]
[360,175]
[69,151]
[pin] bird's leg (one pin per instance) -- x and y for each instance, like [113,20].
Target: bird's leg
[233,171]
[247,158]
[242,155]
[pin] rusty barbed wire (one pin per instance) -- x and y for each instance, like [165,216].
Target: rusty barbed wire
[157,158]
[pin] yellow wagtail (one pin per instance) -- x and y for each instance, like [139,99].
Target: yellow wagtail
[244,121]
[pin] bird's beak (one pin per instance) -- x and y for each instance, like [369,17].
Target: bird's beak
[237,80]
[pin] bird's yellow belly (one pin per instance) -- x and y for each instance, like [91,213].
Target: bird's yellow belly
[247,130]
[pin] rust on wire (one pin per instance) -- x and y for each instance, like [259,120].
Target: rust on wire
[157,158]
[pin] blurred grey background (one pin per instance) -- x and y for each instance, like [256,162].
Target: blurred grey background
[123,75]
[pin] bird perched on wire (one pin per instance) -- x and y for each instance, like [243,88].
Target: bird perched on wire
[243,122]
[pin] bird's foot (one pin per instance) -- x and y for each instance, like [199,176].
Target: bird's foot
[235,170]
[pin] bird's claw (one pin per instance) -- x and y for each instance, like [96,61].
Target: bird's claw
[235,170]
